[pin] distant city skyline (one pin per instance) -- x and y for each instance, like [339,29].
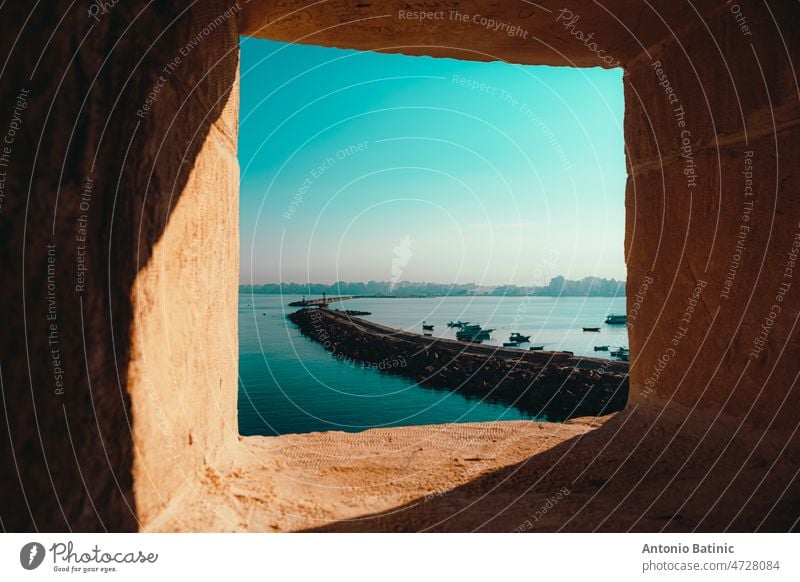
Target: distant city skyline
[363,166]
[557,286]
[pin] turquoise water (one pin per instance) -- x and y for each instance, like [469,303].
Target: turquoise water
[290,384]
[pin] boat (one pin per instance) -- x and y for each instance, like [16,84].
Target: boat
[473,329]
[473,332]
[427,326]
[459,324]
[616,319]
[536,348]
[510,345]
[591,329]
[623,354]
[601,348]
[519,338]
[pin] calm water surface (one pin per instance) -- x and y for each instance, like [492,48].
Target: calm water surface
[289,384]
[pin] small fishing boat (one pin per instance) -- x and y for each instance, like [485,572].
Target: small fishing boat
[623,354]
[616,319]
[473,329]
[591,329]
[459,324]
[601,348]
[519,338]
[473,332]
[427,326]
[510,345]
[536,348]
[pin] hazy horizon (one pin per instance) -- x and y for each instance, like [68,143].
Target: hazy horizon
[363,166]
[403,281]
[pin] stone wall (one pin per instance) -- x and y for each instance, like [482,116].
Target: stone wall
[119,236]
[546,32]
[711,124]
[110,213]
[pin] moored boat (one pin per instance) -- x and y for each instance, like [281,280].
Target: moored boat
[623,354]
[517,337]
[536,348]
[473,332]
[591,329]
[616,319]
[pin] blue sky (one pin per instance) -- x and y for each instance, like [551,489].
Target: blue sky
[353,164]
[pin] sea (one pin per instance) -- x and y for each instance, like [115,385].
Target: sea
[291,384]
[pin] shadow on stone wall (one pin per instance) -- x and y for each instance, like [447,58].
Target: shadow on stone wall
[627,475]
[91,179]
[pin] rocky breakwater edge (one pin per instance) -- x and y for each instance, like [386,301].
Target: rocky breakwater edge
[555,386]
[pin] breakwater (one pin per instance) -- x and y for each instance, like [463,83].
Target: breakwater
[321,302]
[553,385]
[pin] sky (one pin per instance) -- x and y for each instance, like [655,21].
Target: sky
[359,166]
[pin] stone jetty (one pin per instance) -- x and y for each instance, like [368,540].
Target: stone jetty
[552,385]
